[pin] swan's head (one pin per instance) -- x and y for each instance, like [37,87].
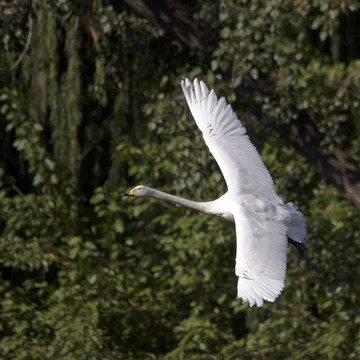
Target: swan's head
[138,191]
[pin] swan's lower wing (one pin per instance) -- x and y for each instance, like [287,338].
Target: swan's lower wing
[261,250]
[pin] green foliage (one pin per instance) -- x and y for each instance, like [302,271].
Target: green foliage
[94,108]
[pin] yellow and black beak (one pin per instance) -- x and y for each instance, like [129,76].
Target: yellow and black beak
[131,192]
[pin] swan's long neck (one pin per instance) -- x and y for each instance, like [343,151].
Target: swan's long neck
[204,207]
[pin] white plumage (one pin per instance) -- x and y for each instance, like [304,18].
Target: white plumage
[263,223]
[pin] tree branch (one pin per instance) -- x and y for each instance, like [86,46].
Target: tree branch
[173,18]
[28,41]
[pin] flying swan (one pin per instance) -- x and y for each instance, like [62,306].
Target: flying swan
[264,225]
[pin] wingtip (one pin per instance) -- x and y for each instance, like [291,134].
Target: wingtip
[196,83]
[186,84]
[255,292]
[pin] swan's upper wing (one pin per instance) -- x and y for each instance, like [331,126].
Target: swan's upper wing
[225,136]
[261,249]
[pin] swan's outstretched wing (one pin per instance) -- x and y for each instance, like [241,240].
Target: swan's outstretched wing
[225,136]
[261,249]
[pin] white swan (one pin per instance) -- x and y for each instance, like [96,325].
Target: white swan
[264,225]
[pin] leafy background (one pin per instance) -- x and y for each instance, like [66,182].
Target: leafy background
[95,107]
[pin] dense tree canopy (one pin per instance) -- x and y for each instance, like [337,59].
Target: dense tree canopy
[91,104]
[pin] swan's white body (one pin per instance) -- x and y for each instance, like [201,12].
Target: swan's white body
[263,223]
